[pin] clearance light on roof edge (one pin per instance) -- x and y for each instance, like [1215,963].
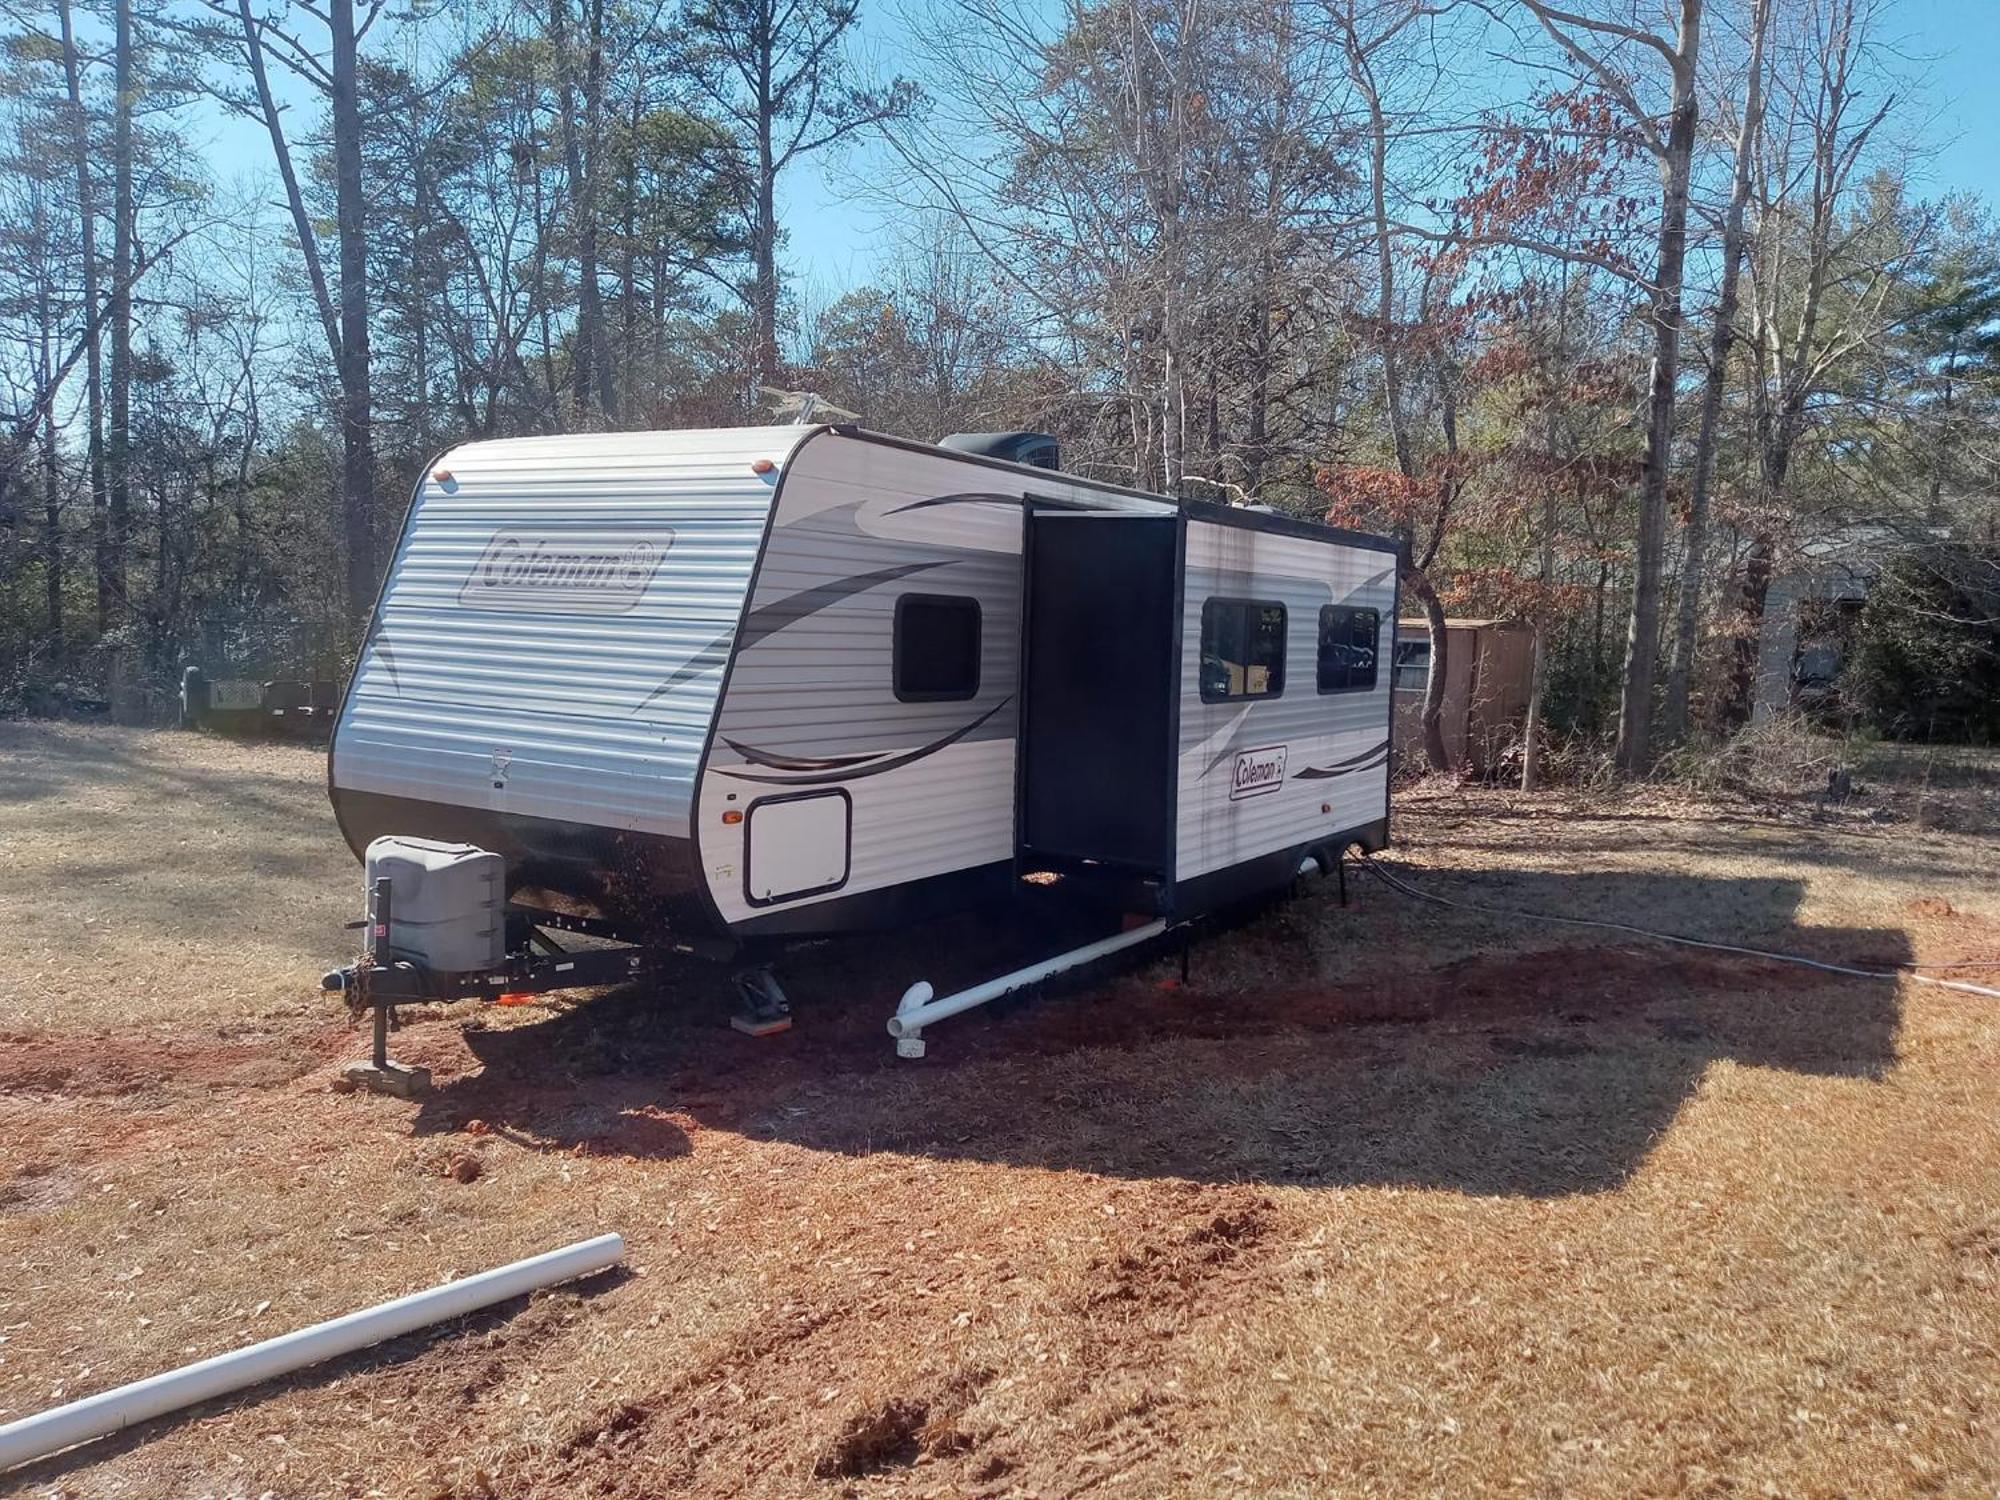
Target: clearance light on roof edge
[761,466]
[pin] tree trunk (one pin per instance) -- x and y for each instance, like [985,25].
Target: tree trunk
[119,449]
[1416,577]
[593,145]
[1687,625]
[1538,685]
[1779,426]
[590,362]
[1385,259]
[357,471]
[93,391]
[1740,693]
[52,555]
[628,273]
[764,221]
[1431,720]
[1635,708]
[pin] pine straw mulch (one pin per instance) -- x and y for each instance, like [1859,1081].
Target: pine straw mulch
[1387,1199]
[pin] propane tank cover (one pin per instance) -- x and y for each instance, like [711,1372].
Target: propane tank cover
[447,902]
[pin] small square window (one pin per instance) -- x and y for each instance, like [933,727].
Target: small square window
[937,648]
[1413,666]
[1347,648]
[1242,649]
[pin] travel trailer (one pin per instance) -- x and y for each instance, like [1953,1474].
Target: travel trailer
[721,690]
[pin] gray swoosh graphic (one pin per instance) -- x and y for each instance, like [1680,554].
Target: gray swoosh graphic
[793,608]
[878,767]
[969,498]
[776,616]
[1367,760]
[389,663]
[778,762]
[707,659]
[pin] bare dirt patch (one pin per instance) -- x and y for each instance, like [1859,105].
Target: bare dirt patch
[1385,1199]
[111,1064]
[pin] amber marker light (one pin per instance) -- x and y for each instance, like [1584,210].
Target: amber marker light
[762,466]
[732,817]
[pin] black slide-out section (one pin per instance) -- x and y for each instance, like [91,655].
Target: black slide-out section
[1102,657]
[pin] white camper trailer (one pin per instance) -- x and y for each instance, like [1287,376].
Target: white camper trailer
[768,683]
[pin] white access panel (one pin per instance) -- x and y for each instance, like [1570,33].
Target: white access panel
[797,846]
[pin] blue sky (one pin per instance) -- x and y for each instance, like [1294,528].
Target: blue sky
[1952,55]
[1951,47]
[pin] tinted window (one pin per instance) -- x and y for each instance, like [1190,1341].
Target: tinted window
[1242,649]
[937,648]
[1347,648]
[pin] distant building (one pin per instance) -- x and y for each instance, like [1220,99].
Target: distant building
[1489,668]
[1810,613]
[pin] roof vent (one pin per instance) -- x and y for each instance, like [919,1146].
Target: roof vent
[1038,450]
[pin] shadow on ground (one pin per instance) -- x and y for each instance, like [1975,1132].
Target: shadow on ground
[1537,1072]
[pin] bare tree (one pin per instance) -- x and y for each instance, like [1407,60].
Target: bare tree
[124,226]
[1801,256]
[345,321]
[1675,153]
[1722,341]
[86,206]
[777,72]
[1365,35]
[583,157]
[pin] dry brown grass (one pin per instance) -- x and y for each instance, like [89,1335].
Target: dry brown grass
[1387,1201]
[125,854]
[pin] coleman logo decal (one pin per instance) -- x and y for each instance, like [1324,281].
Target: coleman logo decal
[1257,772]
[605,573]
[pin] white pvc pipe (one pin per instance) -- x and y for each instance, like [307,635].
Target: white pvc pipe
[95,1416]
[919,1010]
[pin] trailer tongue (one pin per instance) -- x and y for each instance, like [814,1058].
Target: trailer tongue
[439,928]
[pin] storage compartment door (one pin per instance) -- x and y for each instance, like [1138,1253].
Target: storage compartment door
[1102,663]
[796,846]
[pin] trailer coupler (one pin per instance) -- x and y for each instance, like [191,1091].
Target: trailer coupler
[536,964]
[405,983]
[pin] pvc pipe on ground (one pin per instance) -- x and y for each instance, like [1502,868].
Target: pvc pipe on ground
[918,1009]
[95,1416]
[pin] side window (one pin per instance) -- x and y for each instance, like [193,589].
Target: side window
[937,648]
[1347,648]
[1413,666]
[1242,649]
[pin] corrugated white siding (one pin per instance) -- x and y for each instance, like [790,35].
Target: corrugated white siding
[556,621]
[1335,732]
